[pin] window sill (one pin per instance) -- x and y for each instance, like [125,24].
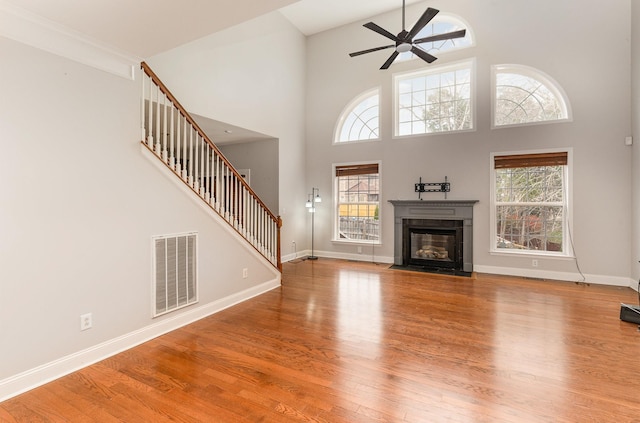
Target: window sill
[532,254]
[355,242]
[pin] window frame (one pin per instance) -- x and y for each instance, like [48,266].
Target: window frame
[567,242]
[469,63]
[336,204]
[442,17]
[349,108]
[530,72]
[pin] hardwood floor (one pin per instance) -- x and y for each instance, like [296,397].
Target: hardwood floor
[356,342]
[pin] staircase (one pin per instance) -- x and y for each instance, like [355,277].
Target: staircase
[175,138]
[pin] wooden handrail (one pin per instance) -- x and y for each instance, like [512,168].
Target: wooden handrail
[235,201]
[187,116]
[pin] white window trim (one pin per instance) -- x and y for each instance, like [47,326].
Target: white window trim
[435,70]
[534,73]
[336,205]
[453,19]
[346,111]
[567,239]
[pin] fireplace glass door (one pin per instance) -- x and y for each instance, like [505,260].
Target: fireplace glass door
[434,244]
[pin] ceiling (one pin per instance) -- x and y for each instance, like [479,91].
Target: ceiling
[313,16]
[144,28]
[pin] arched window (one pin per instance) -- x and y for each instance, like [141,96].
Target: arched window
[524,95]
[360,119]
[441,24]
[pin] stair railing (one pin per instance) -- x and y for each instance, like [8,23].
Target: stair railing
[176,139]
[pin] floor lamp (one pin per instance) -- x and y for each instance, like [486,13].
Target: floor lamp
[313,198]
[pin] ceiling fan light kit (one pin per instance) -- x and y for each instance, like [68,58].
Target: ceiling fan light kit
[404,41]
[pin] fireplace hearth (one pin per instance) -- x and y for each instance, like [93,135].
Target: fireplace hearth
[434,236]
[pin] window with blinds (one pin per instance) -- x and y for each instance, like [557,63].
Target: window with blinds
[358,205]
[530,203]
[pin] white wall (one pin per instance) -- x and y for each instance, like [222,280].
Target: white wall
[635,120]
[591,65]
[79,205]
[252,76]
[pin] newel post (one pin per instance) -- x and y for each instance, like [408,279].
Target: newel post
[278,226]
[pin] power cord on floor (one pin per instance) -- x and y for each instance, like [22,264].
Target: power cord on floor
[573,248]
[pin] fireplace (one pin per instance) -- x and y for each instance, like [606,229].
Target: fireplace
[432,243]
[434,236]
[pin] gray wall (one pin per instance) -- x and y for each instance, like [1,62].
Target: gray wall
[251,76]
[635,119]
[80,203]
[591,65]
[261,157]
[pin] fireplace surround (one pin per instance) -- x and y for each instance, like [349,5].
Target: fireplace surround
[434,235]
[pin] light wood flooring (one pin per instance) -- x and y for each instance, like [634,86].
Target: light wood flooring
[356,342]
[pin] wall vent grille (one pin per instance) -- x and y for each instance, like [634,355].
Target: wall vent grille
[175,272]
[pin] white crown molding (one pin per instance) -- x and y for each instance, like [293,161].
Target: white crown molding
[31,29]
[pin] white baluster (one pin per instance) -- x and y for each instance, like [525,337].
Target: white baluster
[158,137]
[196,173]
[178,141]
[164,128]
[202,176]
[190,156]
[209,175]
[143,124]
[172,155]
[185,171]
[150,124]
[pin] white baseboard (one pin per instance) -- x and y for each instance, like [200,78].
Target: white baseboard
[508,271]
[336,255]
[45,373]
[561,276]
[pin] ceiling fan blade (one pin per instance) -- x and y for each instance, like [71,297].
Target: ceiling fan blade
[448,36]
[371,50]
[422,54]
[381,31]
[422,22]
[390,60]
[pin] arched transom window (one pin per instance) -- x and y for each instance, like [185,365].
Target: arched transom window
[524,95]
[442,24]
[360,119]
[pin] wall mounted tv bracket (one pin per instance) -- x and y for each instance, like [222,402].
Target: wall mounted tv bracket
[421,187]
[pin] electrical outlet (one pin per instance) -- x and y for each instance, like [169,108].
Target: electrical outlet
[245,273]
[534,263]
[359,249]
[86,321]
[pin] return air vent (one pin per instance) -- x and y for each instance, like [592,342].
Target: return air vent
[175,272]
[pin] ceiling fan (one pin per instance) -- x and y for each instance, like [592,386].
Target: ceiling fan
[404,41]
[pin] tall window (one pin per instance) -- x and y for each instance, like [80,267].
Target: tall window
[524,95]
[435,100]
[530,203]
[358,205]
[360,119]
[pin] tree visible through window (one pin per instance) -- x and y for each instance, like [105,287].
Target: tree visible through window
[530,202]
[358,206]
[524,95]
[437,100]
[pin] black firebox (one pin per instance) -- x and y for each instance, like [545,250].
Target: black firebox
[433,245]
